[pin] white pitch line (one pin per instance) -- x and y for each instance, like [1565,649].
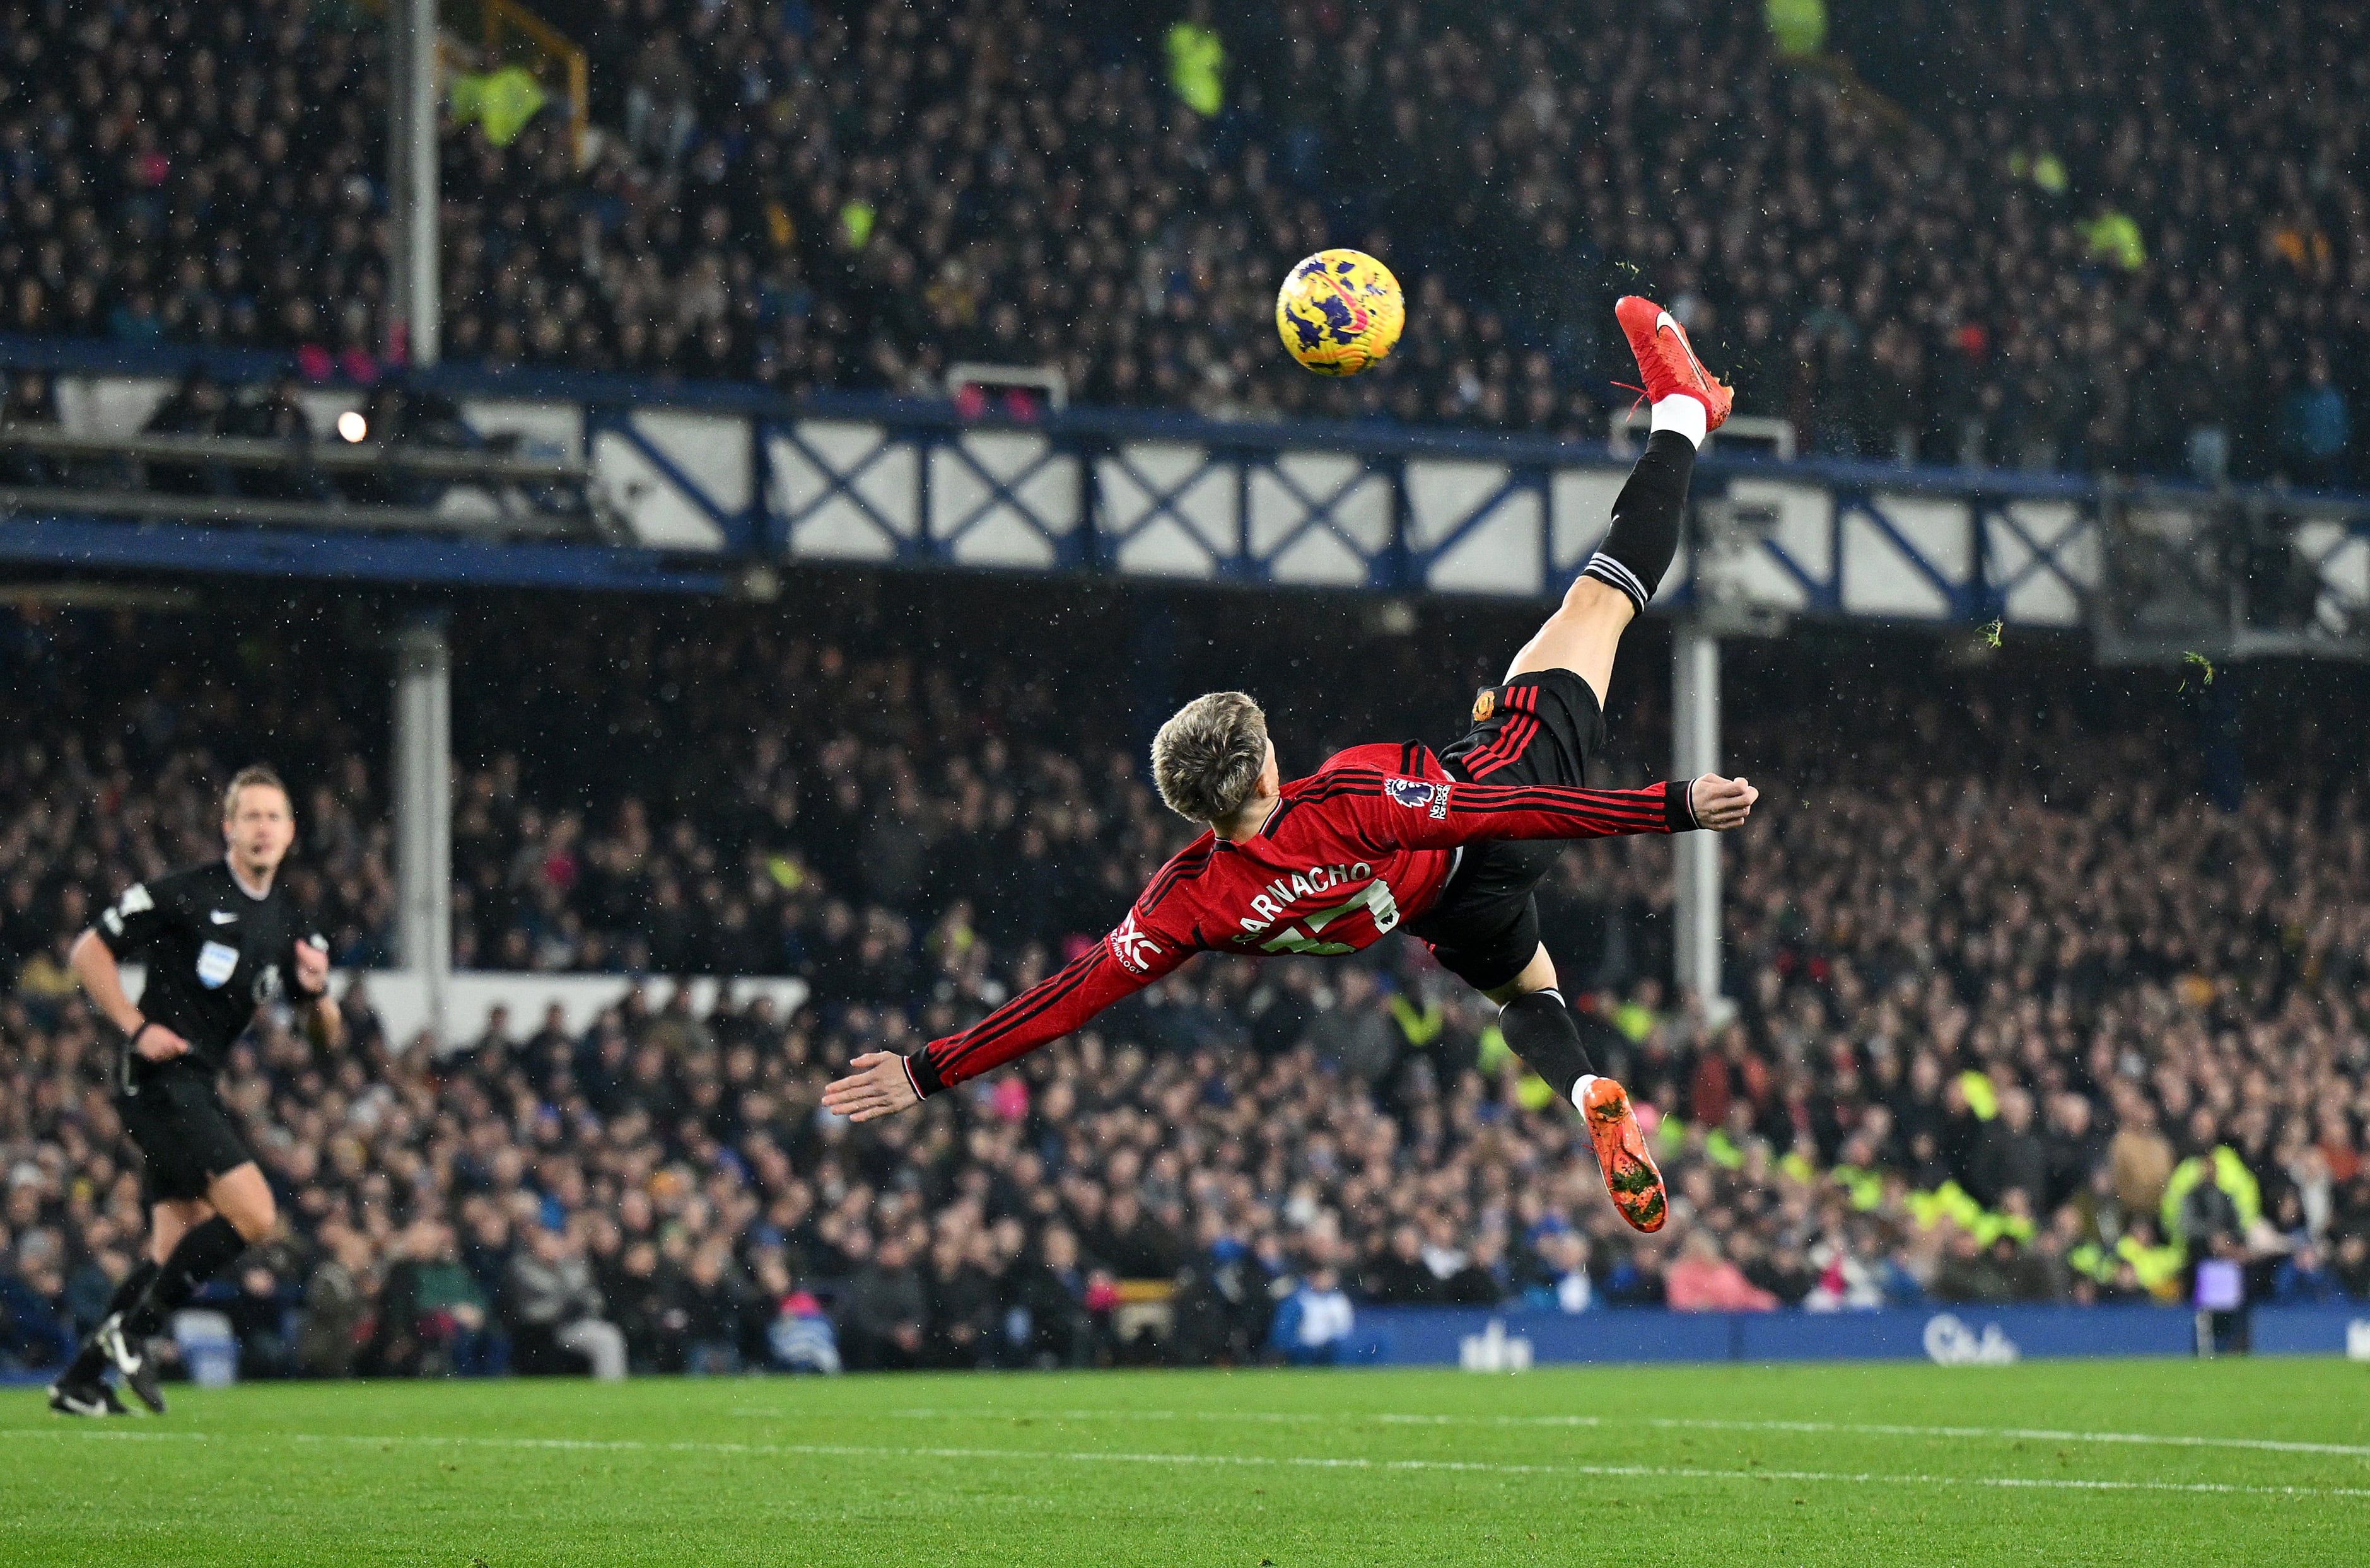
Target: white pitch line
[1270,1461]
[1826,1428]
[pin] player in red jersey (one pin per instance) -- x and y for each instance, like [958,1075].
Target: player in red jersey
[1448,844]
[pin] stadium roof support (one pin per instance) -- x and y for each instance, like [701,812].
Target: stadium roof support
[1694,749]
[412,182]
[423,809]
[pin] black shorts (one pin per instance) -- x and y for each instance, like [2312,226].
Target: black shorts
[1540,728]
[184,1132]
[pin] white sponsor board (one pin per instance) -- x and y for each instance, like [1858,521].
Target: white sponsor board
[1494,1350]
[1949,1343]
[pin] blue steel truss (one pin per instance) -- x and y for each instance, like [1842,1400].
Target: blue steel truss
[1319,514]
[1357,507]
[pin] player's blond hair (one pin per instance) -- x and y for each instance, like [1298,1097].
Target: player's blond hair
[1206,759]
[254,774]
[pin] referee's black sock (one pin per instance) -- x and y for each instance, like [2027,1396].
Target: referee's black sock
[205,1250]
[90,1360]
[1539,1029]
[1644,538]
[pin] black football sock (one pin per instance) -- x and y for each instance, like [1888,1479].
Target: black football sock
[1538,1027]
[204,1252]
[1644,538]
[90,1360]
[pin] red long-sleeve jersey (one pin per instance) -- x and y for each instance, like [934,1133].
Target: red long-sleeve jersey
[1365,843]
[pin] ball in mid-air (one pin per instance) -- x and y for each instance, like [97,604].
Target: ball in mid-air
[1340,312]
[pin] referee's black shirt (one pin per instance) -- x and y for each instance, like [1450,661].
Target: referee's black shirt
[214,954]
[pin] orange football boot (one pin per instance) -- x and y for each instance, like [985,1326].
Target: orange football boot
[1629,1172]
[1668,360]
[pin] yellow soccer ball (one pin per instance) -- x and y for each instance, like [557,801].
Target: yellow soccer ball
[1339,313]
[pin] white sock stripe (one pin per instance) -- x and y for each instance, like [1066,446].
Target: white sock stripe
[1684,414]
[1605,569]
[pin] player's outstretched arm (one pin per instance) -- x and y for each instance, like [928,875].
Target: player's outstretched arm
[883,1083]
[1447,813]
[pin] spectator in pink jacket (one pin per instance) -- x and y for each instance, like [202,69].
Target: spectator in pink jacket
[1704,1281]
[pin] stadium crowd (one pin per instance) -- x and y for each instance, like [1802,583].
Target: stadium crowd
[2020,1014]
[2117,235]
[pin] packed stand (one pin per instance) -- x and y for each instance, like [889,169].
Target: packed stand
[2021,1016]
[2164,279]
[2186,185]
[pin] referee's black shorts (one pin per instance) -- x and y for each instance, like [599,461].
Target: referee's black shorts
[184,1131]
[1536,729]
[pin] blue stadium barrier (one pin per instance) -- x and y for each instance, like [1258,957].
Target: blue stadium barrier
[1964,1335]
[1483,1339]
[1495,1342]
[2340,1328]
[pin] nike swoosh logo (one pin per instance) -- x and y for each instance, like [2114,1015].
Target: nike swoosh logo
[1663,322]
[220,918]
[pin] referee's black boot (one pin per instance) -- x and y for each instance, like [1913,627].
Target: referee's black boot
[134,1362]
[94,1397]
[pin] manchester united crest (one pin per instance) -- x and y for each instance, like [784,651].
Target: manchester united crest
[1485,704]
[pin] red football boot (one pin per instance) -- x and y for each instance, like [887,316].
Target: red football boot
[1629,1172]
[1668,360]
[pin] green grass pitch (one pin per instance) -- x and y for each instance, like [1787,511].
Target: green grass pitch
[2138,1462]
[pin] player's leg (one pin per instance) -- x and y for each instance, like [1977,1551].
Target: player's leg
[1583,636]
[1585,630]
[81,1389]
[171,1219]
[235,1212]
[1621,577]
[238,1212]
[1539,1029]
[1538,1026]
[242,1196]
[167,1223]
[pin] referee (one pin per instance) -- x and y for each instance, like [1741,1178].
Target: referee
[219,941]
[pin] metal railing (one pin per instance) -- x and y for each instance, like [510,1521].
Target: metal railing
[203,479]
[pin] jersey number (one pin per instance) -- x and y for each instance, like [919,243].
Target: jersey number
[1374,896]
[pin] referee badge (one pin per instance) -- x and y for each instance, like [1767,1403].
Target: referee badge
[1485,704]
[215,962]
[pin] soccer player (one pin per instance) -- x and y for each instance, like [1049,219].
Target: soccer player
[1448,844]
[219,940]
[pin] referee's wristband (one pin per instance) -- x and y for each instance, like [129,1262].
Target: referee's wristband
[143,1027]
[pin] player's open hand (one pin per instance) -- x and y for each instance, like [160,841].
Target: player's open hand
[879,1087]
[1720,804]
[159,1044]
